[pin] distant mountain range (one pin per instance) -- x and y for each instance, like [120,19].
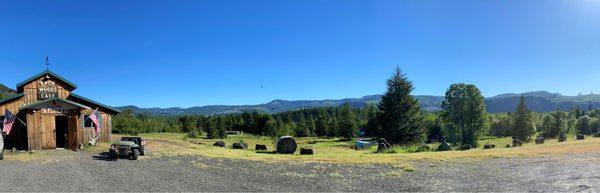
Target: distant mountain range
[539,101]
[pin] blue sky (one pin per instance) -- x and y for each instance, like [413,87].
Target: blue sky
[204,52]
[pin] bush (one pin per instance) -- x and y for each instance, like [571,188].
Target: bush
[583,125]
[193,134]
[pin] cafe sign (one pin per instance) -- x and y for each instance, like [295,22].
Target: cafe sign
[55,109]
[47,89]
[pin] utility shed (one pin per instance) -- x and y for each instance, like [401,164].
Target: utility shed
[53,114]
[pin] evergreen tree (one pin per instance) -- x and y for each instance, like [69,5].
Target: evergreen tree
[301,129]
[464,110]
[523,127]
[311,126]
[348,128]
[188,123]
[322,123]
[399,113]
[577,112]
[559,124]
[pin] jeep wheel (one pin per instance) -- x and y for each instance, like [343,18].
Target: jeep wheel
[142,151]
[135,154]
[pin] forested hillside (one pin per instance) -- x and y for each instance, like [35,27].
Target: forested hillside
[540,101]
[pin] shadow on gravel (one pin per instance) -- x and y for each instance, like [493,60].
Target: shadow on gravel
[103,157]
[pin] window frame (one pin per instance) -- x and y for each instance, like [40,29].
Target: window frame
[85,121]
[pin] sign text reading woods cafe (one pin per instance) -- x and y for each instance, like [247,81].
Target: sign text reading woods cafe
[47,89]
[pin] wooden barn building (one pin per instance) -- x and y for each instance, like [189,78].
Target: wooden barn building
[55,117]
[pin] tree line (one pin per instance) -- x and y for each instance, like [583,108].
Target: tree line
[398,118]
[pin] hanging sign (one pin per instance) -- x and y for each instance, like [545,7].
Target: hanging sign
[47,89]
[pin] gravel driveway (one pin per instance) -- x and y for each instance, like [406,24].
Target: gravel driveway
[82,171]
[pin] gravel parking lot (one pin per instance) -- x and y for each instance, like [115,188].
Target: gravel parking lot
[83,171]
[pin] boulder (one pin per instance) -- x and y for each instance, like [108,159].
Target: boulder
[240,145]
[539,140]
[580,137]
[260,147]
[517,143]
[444,147]
[219,144]
[286,145]
[305,151]
[489,146]
[562,137]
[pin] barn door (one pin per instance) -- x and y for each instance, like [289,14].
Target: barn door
[72,140]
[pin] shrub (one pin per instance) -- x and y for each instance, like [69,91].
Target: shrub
[193,134]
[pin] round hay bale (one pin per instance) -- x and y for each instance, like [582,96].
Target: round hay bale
[219,144]
[580,137]
[304,151]
[517,143]
[444,147]
[489,146]
[539,140]
[260,147]
[286,145]
[240,146]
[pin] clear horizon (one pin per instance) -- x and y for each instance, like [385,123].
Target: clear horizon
[198,53]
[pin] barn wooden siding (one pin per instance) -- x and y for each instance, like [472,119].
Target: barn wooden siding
[40,132]
[31,91]
[105,127]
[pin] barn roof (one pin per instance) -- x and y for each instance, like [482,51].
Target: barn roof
[11,98]
[54,100]
[44,73]
[106,108]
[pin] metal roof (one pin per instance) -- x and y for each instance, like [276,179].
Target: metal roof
[54,100]
[44,73]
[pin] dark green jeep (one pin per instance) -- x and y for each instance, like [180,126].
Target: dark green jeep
[129,147]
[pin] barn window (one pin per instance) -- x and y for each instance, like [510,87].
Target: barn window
[88,122]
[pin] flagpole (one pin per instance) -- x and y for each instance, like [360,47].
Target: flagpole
[21,121]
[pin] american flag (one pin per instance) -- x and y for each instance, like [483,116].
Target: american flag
[94,119]
[9,120]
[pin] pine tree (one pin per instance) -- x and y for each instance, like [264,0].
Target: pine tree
[399,113]
[523,127]
[301,129]
[348,128]
[321,125]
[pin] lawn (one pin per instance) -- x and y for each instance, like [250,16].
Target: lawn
[336,151]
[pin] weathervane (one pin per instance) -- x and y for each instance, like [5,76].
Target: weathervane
[47,63]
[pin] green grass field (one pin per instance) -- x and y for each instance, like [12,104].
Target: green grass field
[336,151]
